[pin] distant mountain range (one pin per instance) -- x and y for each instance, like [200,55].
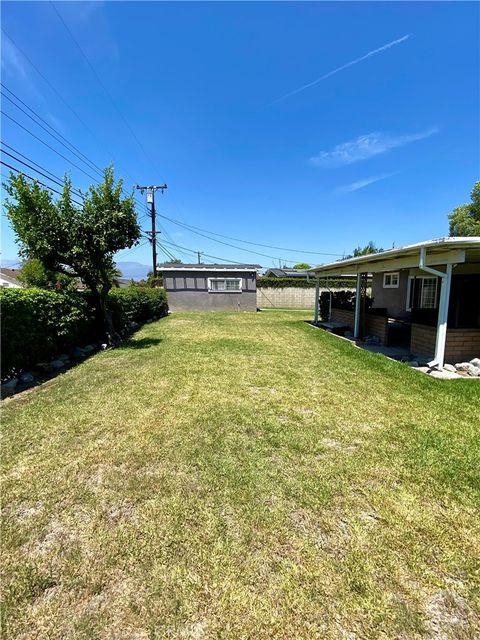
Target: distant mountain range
[133,270]
[130,270]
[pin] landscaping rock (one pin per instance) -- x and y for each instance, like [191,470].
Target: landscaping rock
[133,326]
[475,362]
[103,346]
[78,352]
[25,377]
[466,366]
[449,367]
[8,388]
[475,372]
[149,321]
[89,348]
[413,363]
[56,365]
[62,356]
[43,366]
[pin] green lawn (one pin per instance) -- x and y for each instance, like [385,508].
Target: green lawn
[241,476]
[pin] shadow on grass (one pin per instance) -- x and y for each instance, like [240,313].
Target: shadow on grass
[142,343]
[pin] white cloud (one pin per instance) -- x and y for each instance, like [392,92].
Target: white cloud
[366,146]
[11,60]
[360,184]
[344,66]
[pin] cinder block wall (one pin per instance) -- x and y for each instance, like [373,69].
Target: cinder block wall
[288,297]
[285,298]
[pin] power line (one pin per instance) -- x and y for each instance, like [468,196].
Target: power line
[194,251]
[48,145]
[76,151]
[32,167]
[107,92]
[51,175]
[258,244]
[59,95]
[228,244]
[36,180]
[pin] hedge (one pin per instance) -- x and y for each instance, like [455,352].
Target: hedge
[137,304]
[302,283]
[38,324]
[340,300]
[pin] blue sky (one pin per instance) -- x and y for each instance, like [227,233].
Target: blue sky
[217,94]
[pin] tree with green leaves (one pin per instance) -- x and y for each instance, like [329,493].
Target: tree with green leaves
[302,265]
[34,274]
[369,248]
[465,220]
[78,241]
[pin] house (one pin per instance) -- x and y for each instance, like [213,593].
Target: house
[210,287]
[9,279]
[286,273]
[426,296]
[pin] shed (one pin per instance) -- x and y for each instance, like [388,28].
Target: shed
[210,287]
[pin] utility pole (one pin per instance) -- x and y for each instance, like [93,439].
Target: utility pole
[151,200]
[199,253]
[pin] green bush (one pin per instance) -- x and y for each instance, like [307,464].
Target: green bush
[38,324]
[302,283]
[136,304]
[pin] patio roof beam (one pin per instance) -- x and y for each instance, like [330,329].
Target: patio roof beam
[445,280]
[454,256]
[358,306]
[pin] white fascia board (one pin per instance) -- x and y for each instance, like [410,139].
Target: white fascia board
[352,264]
[208,270]
[411,261]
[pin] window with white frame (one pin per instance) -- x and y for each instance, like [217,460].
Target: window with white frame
[422,292]
[225,284]
[391,280]
[428,295]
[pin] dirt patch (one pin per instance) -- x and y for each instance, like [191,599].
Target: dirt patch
[120,512]
[25,512]
[448,616]
[57,535]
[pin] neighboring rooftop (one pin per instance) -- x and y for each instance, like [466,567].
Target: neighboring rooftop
[10,273]
[286,273]
[207,267]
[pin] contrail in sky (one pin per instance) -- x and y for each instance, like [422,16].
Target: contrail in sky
[345,66]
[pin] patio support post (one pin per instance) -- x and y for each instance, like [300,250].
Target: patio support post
[358,306]
[442,318]
[317,299]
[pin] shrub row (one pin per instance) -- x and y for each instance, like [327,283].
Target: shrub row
[136,304]
[38,324]
[303,283]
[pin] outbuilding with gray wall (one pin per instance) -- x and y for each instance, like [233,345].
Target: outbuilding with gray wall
[210,287]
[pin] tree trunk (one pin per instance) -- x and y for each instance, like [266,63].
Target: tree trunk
[104,316]
[112,336]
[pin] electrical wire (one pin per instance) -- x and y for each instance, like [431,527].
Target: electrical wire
[258,244]
[5,164]
[57,135]
[106,91]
